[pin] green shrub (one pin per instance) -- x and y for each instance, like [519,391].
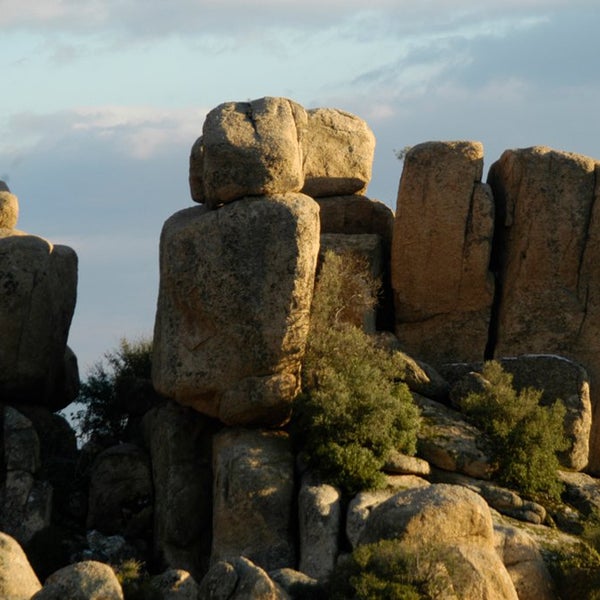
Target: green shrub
[387,570]
[104,416]
[576,571]
[351,412]
[526,436]
[135,580]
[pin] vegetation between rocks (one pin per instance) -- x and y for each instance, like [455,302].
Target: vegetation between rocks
[352,412]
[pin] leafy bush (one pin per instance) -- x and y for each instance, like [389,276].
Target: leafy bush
[104,414]
[351,412]
[525,435]
[387,570]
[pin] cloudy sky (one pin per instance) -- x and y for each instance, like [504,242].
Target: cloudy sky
[101,101]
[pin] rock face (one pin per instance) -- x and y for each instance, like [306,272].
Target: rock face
[88,580]
[9,208]
[248,149]
[121,495]
[233,309]
[180,442]
[175,584]
[338,153]
[443,290]
[253,492]
[549,235]
[38,286]
[17,579]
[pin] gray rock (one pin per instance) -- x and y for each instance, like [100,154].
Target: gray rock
[338,153]
[175,584]
[233,308]
[297,584]
[87,580]
[17,579]
[319,521]
[253,498]
[248,149]
[179,440]
[121,494]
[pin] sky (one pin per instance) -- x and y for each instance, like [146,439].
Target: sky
[101,101]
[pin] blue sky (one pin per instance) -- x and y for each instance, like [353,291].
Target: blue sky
[102,99]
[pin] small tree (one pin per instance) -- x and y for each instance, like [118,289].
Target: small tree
[526,436]
[104,415]
[351,412]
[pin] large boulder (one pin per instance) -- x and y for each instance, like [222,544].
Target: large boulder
[248,149]
[338,153]
[180,440]
[38,287]
[9,208]
[233,309]
[549,260]
[443,289]
[87,580]
[17,579]
[319,521]
[121,492]
[253,498]
[175,584]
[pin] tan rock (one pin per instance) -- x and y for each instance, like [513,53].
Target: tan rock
[175,584]
[233,309]
[401,464]
[441,249]
[17,579]
[319,522]
[9,210]
[39,286]
[338,153]
[253,495]
[88,580]
[550,239]
[248,149]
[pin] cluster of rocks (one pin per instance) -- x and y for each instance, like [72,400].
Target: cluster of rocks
[207,490]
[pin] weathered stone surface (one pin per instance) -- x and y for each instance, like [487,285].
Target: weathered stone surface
[338,153]
[356,214]
[38,286]
[21,442]
[233,309]
[582,491]
[557,377]
[239,579]
[9,209]
[362,504]
[447,441]
[441,249]
[429,514]
[17,579]
[368,249]
[319,521]
[121,493]
[248,149]
[549,233]
[253,497]
[525,565]
[175,584]
[297,584]
[402,464]
[180,440]
[87,580]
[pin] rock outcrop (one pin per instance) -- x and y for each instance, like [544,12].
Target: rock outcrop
[547,256]
[17,579]
[443,289]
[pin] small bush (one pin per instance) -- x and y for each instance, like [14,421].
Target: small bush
[351,412]
[104,416]
[135,580]
[526,436]
[576,571]
[387,570]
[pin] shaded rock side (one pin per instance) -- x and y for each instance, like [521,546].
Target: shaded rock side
[253,498]
[38,288]
[338,153]
[233,310]
[443,289]
[17,579]
[548,231]
[248,149]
